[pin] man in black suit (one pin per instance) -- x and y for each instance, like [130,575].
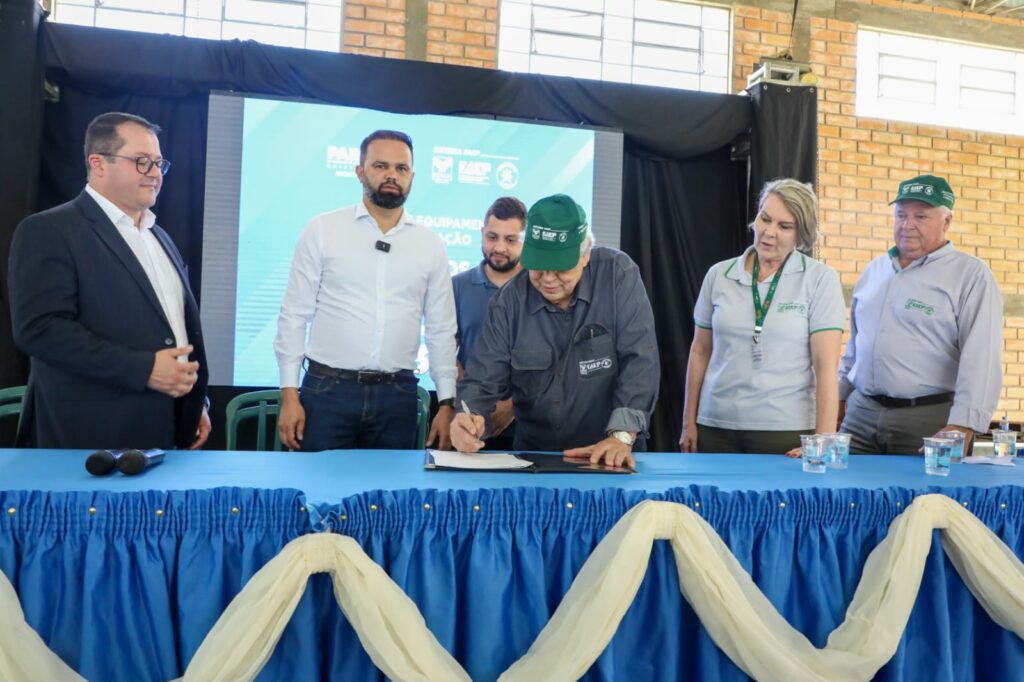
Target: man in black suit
[101,303]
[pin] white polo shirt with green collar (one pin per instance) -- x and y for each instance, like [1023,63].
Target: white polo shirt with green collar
[935,326]
[779,396]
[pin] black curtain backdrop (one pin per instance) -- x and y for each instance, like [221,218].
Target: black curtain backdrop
[783,136]
[688,215]
[683,199]
[20,115]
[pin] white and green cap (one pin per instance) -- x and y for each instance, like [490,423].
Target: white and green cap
[931,189]
[555,228]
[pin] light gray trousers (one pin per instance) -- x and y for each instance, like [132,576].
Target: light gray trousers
[877,430]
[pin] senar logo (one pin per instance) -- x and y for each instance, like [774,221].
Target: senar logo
[914,304]
[798,308]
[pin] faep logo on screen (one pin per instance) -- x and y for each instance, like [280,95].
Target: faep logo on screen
[474,172]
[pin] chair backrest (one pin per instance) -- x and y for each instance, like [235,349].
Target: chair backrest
[11,400]
[423,416]
[261,405]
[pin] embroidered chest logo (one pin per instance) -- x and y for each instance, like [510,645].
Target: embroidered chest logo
[796,308]
[591,366]
[920,306]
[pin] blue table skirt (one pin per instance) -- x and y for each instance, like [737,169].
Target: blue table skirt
[125,593]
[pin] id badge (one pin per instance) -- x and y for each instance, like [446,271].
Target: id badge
[756,353]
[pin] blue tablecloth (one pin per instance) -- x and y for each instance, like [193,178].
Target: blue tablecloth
[123,577]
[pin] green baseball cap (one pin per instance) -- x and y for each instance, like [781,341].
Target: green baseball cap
[555,228]
[930,189]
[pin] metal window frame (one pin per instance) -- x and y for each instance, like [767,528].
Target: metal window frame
[183,15]
[532,52]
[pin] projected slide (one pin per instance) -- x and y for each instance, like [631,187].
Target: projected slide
[271,165]
[298,160]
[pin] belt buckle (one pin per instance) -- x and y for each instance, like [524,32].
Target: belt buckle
[371,377]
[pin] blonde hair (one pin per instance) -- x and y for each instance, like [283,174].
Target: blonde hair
[800,200]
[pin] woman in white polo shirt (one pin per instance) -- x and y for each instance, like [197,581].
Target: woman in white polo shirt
[763,365]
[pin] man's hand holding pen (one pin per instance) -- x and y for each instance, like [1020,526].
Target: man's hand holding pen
[467,430]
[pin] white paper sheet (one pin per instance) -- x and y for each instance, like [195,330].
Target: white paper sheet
[478,460]
[989,459]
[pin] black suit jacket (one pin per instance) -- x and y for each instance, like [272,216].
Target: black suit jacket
[84,310]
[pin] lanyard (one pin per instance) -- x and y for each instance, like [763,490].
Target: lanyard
[760,313]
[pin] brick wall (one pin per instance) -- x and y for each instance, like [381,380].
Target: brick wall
[756,33]
[463,32]
[861,160]
[457,31]
[375,28]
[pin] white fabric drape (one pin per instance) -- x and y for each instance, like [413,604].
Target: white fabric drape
[388,624]
[24,656]
[739,618]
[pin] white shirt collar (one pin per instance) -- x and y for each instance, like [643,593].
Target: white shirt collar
[115,214]
[403,220]
[797,262]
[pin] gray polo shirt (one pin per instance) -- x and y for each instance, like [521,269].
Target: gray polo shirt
[935,326]
[779,396]
[573,375]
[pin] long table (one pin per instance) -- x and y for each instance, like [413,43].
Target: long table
[124,576]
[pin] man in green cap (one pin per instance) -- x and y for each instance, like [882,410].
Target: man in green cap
[571,340]
[926,333]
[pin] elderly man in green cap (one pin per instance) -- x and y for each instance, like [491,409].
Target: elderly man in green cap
[571,340]
[926,333]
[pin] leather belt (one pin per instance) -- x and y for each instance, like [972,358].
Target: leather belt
[886,401]
[361,376]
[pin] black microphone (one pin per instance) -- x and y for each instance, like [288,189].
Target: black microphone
[102,462]
[134,461]
[382,246]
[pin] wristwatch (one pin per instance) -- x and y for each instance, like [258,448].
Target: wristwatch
[623,437]
[447,402]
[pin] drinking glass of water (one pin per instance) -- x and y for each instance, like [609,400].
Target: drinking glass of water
[1004,443]
[959,439]
[812,451]
[837,450]
[937,455]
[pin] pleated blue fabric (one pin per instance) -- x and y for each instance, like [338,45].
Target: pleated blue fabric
[129,590]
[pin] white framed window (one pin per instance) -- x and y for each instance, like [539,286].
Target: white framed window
[939,82]
[650,42]
[311,24]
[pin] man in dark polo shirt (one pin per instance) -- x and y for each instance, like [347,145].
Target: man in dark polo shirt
[572,340]
[501,241]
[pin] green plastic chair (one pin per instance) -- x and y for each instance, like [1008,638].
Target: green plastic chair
[11,400]
[423,416]
[259,404]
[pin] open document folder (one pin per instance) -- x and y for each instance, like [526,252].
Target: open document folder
[526,462]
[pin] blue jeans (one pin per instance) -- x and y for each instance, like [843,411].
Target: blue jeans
[345,415]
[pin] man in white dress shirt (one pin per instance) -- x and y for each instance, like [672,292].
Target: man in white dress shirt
[363,279]
[100,301]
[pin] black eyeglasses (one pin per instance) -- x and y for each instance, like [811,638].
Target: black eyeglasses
[144,164]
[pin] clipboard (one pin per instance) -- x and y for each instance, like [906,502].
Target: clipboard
[515,462]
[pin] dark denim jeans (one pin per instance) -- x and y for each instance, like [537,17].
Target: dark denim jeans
[344,415]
